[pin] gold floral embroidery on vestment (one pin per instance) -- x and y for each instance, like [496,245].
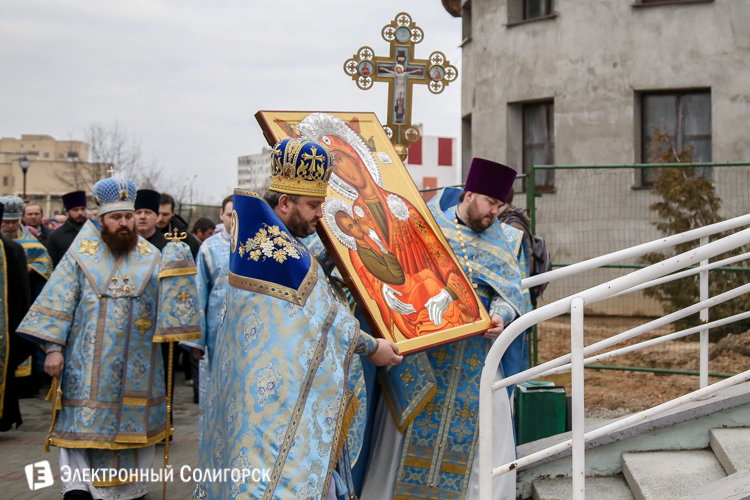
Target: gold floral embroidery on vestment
[270,242]
[88,246]
[183,296]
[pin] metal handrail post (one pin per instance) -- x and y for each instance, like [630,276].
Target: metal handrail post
[704,319]
[578,408]
[531,205]
[531,198]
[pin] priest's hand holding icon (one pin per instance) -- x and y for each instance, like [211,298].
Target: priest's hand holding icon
[386,355]
[493,333]
[53,364]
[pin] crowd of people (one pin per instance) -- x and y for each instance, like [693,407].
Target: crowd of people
[282,366]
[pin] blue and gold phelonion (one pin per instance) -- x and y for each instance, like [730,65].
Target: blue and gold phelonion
[301,167]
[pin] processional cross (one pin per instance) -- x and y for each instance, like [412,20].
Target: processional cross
[174,237]
[401,70]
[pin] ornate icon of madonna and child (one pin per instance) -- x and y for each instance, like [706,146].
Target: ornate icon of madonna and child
[376,226]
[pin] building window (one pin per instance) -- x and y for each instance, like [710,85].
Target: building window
[5,180]
[537,8]
[415,153]
[539,142]
[466,22]
[687,119]
[520,11]
[46,155]
[61,155]
[658,2]
[466,153]
[445,152]
[72,156]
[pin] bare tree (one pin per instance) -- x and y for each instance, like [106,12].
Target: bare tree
[109,149]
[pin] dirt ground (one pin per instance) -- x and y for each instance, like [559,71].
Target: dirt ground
[614,393]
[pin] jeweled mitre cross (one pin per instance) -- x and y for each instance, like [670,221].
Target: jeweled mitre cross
[402,70]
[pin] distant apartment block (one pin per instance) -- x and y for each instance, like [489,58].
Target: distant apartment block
[254,171]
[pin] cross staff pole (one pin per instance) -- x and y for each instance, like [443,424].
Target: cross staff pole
[169,423]
[174,238]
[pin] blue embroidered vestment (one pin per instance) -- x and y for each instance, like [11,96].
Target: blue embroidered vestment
[107,313]
[441,431]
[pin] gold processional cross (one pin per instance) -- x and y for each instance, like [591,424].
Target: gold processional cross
[402,71]
[174,237]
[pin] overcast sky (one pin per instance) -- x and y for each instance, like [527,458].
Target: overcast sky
[186,77]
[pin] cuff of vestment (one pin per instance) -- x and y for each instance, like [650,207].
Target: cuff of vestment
[52,347]
[367,345]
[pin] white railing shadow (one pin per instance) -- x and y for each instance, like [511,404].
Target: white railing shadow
[576,360]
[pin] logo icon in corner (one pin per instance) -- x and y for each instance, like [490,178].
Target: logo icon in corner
[39,475]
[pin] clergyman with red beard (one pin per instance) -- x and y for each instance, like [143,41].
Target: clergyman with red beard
[100,315]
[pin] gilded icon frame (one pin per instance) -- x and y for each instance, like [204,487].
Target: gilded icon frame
[392,234]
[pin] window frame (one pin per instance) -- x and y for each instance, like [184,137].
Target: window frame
[517,12]
[550,117]
[679,135]
[549,9]
[658,3]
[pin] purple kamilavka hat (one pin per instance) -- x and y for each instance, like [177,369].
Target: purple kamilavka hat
[490,179]
[74,200]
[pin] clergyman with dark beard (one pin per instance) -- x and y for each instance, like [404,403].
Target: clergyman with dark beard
[98,316]
[59,240]
[118,232]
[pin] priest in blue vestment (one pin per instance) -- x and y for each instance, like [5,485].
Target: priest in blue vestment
[108,304]
[212,281]
[30,373]
[427,439]
[279,397]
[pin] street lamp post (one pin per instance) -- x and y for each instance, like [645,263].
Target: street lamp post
[25,164]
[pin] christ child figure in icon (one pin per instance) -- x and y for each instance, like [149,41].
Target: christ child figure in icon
[403,232]
[421,302]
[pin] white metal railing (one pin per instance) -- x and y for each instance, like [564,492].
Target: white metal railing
[575,361]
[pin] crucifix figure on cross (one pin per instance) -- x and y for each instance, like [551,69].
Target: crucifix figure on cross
[401,70]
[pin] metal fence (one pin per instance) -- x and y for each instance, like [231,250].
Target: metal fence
[598,209]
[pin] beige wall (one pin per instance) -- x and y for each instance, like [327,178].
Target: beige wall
[593,59]
[49,160]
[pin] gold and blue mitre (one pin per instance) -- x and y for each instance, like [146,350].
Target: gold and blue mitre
[179,312]
[301,167]
[13,207]
[114,194]
[265,258]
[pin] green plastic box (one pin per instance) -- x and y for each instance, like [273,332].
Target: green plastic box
[540,409]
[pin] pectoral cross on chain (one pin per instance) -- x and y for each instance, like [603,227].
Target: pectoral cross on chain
[401,70]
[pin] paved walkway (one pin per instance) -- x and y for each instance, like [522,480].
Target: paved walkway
[23,446]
